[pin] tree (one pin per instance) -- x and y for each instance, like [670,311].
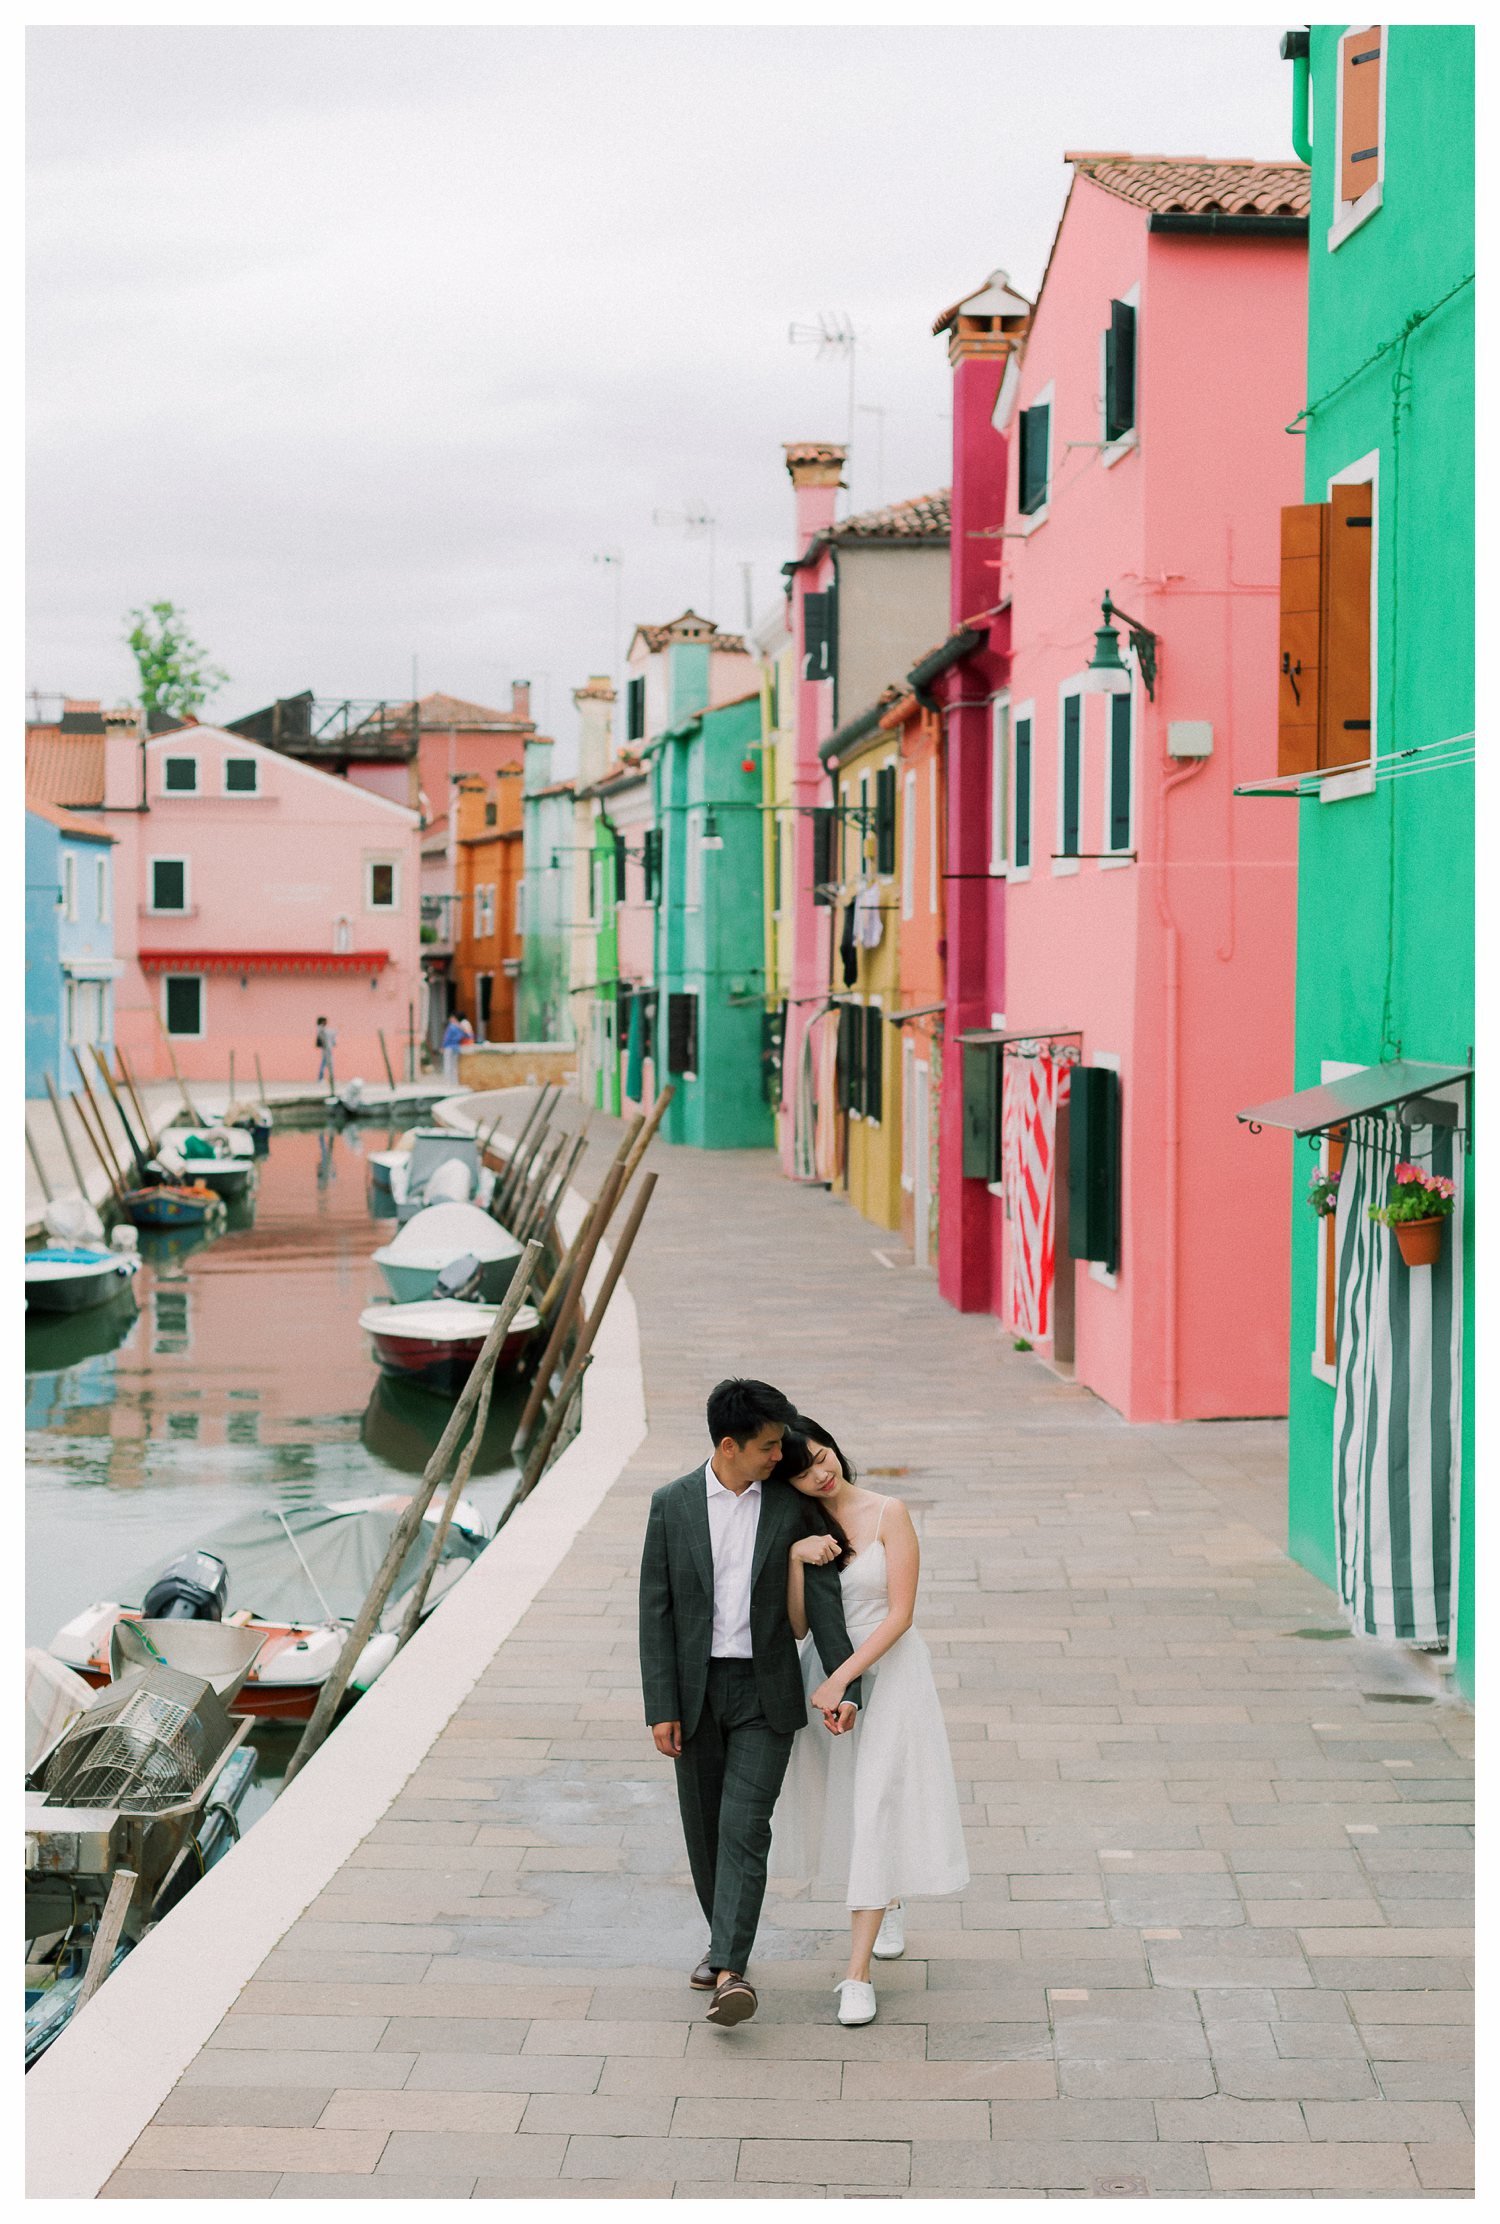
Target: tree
[176,677]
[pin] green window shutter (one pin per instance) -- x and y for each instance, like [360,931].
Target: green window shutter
[1120,709]
[184,1001]
[825,836]
[682,1032]
[1035,461]
[1072,773]
[1021,833]
[885,819]
[619,868]
[1119,371]
[874,1062]
[981,1154]
[1094,1165]
[816,617]
[635,710]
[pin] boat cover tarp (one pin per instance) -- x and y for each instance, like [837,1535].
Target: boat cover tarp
[343,1550]
[55,1693]
[442,1232]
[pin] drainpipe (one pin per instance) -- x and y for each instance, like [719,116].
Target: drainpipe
[1294,49]
[1171,1123]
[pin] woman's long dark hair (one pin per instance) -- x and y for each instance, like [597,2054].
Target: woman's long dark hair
[796,1458]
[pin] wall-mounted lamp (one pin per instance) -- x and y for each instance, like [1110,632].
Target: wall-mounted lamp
[1108,673]
[711,838]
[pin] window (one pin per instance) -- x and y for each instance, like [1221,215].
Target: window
[885,819]
[825,836]
[981,1112]
[619,868]
[169,884]
[1036,458]
[635,709]
[182,999]
[484,912]
[778,841]
[69,885]
[1325,716]
[859,829]
[1119,371]
[874,1063]
[101,890]
[1361,130]
[70,1010]
[241,776]
[908,845]
[491,814]
[1070,778]
[651,863]
[682,1033]
[179,775]
[819,635]
[999,781]
[380,885]
[908,1111]
[851,1059]
[1119,805]
[1020,855]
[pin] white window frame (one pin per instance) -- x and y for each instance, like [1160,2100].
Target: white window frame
[70,1011]
[484,910]
[1046,399]
[70,885]
[177,757]
[692,893]
[932,832]
[1000,785]
[1010,386]
[1337,787]
[170,911]
[1349,215]
[1021,713]
[1110,451]
[1064,867]
[520,907]
[908,1113]
[372,866]
[184,1034]
[254,787]
[1108,1277]
[102,905]
[1113,860]
[908,843]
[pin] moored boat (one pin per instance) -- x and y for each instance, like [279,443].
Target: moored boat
[73,1278]
[172,1205]
[442,1167]
[433,1238]
[435,1343]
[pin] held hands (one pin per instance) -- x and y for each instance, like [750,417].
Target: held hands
[815,1552]
[838,1712]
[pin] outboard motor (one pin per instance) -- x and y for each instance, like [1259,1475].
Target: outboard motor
[459,1278]
[194,1588]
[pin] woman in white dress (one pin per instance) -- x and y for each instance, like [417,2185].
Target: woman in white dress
[873,1816]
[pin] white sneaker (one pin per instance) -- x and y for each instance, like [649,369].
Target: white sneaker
[890,1940]
[856,2001]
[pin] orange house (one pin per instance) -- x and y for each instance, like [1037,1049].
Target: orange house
[489,885]
[919,1013]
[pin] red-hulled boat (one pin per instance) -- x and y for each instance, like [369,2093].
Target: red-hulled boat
[436,1342]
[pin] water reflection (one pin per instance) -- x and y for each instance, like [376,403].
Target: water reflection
[242,1378]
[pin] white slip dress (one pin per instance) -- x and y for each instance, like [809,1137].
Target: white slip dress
[873,1816]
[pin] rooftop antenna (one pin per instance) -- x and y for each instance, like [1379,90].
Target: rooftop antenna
[695,521]
[833,334]
[612,560]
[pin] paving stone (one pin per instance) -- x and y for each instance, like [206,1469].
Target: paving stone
[410,2153]
[1312,2166]
[1053,2166]
[628,2159]
[250,2147]
[302,2185]
[295,2105]
[503,2073]
[1446,2166]
[128,2184]
[889,2118]
[333,2034]
[324,2068]
[1385,2119]
[872,2163]
[428,2110]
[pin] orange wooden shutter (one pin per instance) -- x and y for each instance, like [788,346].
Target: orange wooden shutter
[1360,62]
[1304,538]
[1346,631]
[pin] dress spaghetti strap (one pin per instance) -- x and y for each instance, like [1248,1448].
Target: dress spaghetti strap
[880,1523]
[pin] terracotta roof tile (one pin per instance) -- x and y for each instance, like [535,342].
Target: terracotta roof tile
[67,822]
[67,769]
[922,517]
[690,627]
[1196,185]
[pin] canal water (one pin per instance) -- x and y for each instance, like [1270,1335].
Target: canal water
[235,1375]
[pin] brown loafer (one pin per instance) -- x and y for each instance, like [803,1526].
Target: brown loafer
[734,2001]
[705,1977]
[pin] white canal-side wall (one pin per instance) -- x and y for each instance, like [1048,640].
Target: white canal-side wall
[99,2085]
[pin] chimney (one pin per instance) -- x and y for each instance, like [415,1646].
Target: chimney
[124,761]
[520,698]
[816,469]
[595,703]
[985,332]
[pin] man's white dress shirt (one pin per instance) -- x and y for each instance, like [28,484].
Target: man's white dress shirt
[733,1519]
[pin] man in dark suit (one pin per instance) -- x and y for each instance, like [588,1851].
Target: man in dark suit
[719,1668]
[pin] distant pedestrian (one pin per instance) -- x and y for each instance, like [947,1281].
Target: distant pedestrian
[327,1037]
[457,1036]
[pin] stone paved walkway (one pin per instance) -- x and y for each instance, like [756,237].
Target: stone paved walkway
[1214,1939]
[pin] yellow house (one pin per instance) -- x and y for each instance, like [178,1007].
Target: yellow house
[864,761]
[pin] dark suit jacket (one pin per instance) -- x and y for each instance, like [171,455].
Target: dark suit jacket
[677,1606]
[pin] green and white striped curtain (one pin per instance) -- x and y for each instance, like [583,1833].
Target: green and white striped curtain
[1397,1398]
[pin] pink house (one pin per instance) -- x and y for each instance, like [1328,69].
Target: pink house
[256,894]
[1149,927]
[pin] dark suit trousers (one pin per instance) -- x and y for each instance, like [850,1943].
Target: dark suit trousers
[728,1779]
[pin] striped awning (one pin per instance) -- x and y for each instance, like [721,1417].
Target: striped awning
[264,961]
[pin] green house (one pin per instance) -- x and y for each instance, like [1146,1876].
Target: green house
[1376,758]
[710,927]
[543,1012]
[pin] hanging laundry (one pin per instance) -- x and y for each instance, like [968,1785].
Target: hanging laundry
[848,952]
[869,926]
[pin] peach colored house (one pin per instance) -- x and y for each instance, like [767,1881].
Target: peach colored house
[1150,923]
[256,893]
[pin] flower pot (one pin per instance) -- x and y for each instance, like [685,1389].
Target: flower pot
[1421,1241]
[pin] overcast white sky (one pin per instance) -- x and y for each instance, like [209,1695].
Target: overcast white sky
[362,344]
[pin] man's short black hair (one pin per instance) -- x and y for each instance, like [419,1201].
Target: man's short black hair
[741,1408]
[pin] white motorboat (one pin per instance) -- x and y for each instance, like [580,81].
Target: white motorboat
[433,1238]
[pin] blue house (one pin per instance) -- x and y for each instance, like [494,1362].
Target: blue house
[71,965]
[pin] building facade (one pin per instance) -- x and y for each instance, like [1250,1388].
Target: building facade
[1377,722]
[490,892]
[543,1005]
[71,967]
